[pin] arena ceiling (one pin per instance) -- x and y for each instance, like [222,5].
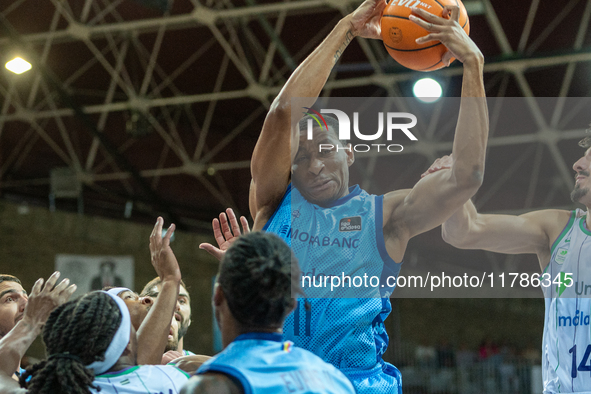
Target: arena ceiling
[139,108]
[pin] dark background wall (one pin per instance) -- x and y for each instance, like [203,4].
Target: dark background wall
[29,243]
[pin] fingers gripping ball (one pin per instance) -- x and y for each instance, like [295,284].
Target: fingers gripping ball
[399,33]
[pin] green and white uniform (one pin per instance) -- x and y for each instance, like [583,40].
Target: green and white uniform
[142,379]
[566,345]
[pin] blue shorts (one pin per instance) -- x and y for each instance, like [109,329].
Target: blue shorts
[384,378]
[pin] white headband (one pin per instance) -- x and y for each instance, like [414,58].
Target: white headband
[119,341]
[118,290]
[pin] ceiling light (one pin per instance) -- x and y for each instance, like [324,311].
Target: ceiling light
[18,65]
[427,90]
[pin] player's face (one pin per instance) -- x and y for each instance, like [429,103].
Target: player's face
[321,175]
[13,299]
[138,306]
[183,307]
[582,179]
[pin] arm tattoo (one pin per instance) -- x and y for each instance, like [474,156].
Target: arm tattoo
[348,38]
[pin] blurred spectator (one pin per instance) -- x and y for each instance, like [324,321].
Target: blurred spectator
[445,355]
[465,357]
[425,355]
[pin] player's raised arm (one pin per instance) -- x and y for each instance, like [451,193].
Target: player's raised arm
[434,198]
[278,141]
[533,232]
[44,298]
[153,333]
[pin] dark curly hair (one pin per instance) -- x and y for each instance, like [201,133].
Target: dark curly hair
[82,328]
[257,274]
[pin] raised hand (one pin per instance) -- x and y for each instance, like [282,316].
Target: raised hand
[449,32]
[225,231]
[44,298]
[163,258]
[170,356]
[442,163]
[365,20]
[191,363]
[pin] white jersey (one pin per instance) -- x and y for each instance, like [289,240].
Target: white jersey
[142,379]
[566,345]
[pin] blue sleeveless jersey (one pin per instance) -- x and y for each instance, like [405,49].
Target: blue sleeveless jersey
[345,238]
[264,364]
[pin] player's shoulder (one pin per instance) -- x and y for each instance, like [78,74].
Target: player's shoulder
[394,199]
[552,222]
[550,219]
[212,382]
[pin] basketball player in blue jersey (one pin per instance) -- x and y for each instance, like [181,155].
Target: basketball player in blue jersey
[562,241]
[252,297]
[91,347]
[292,179]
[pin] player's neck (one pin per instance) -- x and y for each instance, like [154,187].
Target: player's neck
[180,346]
[329,203]
[121,364]
[234,330]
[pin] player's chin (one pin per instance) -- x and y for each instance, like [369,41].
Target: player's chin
[172,344]
[578,194]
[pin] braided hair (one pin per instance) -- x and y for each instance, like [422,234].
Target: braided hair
[257,275]
[78,333]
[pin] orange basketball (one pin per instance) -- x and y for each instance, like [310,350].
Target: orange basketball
[399,33]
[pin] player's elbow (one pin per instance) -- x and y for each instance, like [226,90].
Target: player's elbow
[469,180]
[280,107]
[453,237]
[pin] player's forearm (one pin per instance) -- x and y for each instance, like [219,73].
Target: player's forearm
[14,345]
[310,76]
[153,333]
[469,146]
[456,230]
[279,139]
[306,83]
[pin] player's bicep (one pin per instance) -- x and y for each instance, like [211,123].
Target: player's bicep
[431,201]
[507,234]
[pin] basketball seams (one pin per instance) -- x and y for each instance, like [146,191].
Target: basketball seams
[428,68]
[412,50]
[395,16]
[440,5]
